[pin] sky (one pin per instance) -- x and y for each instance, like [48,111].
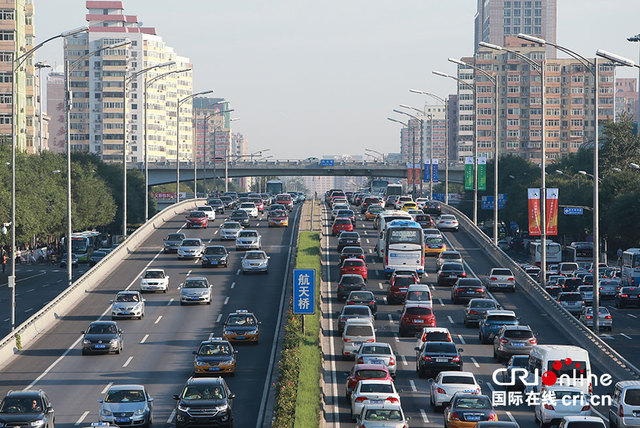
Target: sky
[312,78]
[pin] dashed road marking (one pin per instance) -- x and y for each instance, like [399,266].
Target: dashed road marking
[28,310]
[395,336]
[226,300]
[425,419]
[450,319]
[624,335]
[511,416]
[632,316]
[238,272]
[158,320]
[370,251]
[219,318]
[31,290]
[215,232]
[390,317]
[462,339]
[144,339]
[381,286]
[404,360]
[441,302]
[233,284]
[367,240]
[126,363]
[188,273]
[170,301]
[413,385]
[475,363]
[82,417]
[106,388]
[171,416]
[257,224]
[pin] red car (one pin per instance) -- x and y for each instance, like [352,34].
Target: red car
[412,273]
[399,286]
[414,318]
[197,219]
[354,266]
[259,204]
[341,225]
[364,372]
[286,200]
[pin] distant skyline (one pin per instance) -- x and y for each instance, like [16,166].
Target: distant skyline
[312,78]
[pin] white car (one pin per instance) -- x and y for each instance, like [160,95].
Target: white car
[377,353]
[448,256]
[421,202]
[196,289]
[432,334]
[419,294]
[127,304]
[154,280]
[605,320]
[356,332]
[255,261]
[248,240]
[371,391]
[336,208]
[209,211]
[191,248]
[382,416]
[250,208]
[447,222]
[570,401]
[501,279]
[401,200]
[448,383]
[229,230]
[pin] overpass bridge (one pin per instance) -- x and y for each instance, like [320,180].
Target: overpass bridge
[165,172]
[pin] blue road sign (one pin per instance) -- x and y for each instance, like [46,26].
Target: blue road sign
[327,162]
[304,291]
[573,211]
[487,202]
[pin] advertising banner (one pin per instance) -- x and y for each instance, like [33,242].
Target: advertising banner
[551,203]
[409,173]
[482,173]
[435,170]
[534,211]
[427,171]
[468,173]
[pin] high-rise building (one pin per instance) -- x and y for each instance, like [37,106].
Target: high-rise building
[217,141]
[239,150]
[466,107]
[98,89]
[55,111]
[452,122]
[16,37]
[496,20]
[627,97]
[415,143]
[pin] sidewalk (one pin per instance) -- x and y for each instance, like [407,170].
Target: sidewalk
[309,222]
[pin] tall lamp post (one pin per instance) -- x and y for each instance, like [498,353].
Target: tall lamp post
[635,38]
[421,121]
[377,153]
[39,66]
[206,133]
[430,116]
[413,151]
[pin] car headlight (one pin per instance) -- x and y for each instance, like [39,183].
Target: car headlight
[255,331]
[84,342]
[200,363]
[222,408]
[37,423]
[114,340]
[106,412]
[140,412]
[182,408]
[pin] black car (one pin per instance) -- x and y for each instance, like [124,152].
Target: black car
[349,283]
[438,356]
[26,408]
[628,296]
[96,257]
[363,298]
[515,362]
[368,201]
[102,336]
[351,239]
[450,272]
[228,202]
[277,207]
[205,402]
[424,220]
[351,253]
[433,208]
[476,308]
[466,289]
[570,284]
[217,205]
[215,255]
[240,216]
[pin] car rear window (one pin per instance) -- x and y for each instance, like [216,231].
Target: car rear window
[404,281]
[377,387]
[518,334]
[354,263]
[376,349]
[585,289]
[358,330]
[445,347]
[371,374]
[349,235]
[437,336]
[452,266]
[190,243]
[501,318]
[354,310]
[632,397]
[343,221]
[483,304]
[214,250]
[570,297]
[472,403]
[585,424]
[467,288]
[351,279]
[450,256]
[466,380]
[418,311]
[505,272]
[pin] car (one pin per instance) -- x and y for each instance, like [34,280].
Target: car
[354,266]
[27,408]
[492,321]
[286,200]
[568,401]
[341,225]
[250,208]
[216,204]
[466,289]
[348,239]
[228,202]
[465,410]
[214,256]
[97,255]
[278,218]
[625,404]
[356,332]
[102,337]
[64,259]
[242,326]
[377,353]
[209,211]
[349,283]
[350,252]
[434,245]
[255,261]
[421,202]
[605,321]
[400,272]
[214,356]
[448,256]
[204,402]
[447,222]
[501,279]
[586,291]
[571,284]
[366,298]
[582,422]
[127,304]
[432,231]
[391,201]
[196,289]
[446,384]
[409,205]
[197,219]
[373,391]
[401,200]
[449,273]
[414,317]
[532,271]
[424,220]
[259,203]
[362,372]
[154,280]
[628,296]
[399,285]
[572,302]
[476,308]
[435,357]
[510,376]
[372,212]
[382,415]
[554,290]
[229,230]
[277,207]
[248,240]
[432,334]
[513,340]
[418,294]
[348,214]
[368,202]
[609,288]
[240,216]
[352,312]
[433,208]
[191,248]
[126,405]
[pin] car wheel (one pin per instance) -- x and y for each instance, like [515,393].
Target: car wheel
[118,350]
[480,338]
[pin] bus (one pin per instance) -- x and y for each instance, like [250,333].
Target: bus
[579,252]
[393,189]
[631,267]
[83,244]
[381,221]
[404,247]
[275,187]
[554,252]
[378,186]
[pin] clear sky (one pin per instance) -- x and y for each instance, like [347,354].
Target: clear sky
[309,78]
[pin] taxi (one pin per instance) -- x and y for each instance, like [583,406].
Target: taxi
[214,356]
[278,218]
[409,205]
[434,245]
[242,326]
[373,211]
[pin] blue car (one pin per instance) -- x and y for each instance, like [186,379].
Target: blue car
[493,321]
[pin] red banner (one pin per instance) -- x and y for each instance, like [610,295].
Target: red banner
[551,203]
[534,212]
[409,173]
[413,174]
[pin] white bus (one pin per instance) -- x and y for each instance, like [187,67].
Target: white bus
[404,247]
[393,189]
[579,252]
[380,223]
[554,252]
[631,267]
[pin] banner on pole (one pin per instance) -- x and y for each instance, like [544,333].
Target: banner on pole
[534,211]
[434,174]
[409,173]
[482,173]
[468,173]
[427,171]
[551,203]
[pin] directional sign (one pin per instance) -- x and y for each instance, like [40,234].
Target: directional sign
[573,210]
[304,291]
[487,202]
[327,162]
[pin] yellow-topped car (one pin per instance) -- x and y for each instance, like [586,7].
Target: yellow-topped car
[410,205]
[373,211]
[214,356]
[434,245]
[242,326]
[278,218]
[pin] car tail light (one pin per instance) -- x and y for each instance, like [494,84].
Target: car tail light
[361,399]
[464,274]
[346,340]
[392,400]
[361,360]
[372,302]
[480,290]
[533,341]
[441,391]
[512,279]
[455,359]
[454,416]
[427,358]
[350,302]
[370,340]
[441,273]
[607,317]
[392,361]
[362,287]
[504,340]
[589,317]
[493,416]
[473,312]
[590,388]
[493,278]
[624,295]
[586,408]
[621,412]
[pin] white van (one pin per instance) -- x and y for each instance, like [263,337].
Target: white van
[356,332]
[419,293]
[624,411]
[382,220]
[577,374]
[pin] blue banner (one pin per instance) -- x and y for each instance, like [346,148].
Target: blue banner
[304,291]
[435,170]
[487,202]
[427,172]
[573,211]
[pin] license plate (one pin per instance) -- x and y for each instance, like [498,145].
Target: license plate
[356,344]
[214,262]
[376,401]
[377,361]
[636,413]
[418,321]
[100,346]
[503,285]
[517,344]
[473,418]
[240,337]
[453,276]
[127,313]
[441,360]
[214,369]
[122,420]
[633,297]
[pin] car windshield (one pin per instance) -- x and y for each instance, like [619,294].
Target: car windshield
[349,235]
[125,396]
[375,349]
[191,243]
[215,251]
[231,225]
[437,336]
[466,380]
[203,392]
[197,214]
[21,405]
[102,329]
[175,237]
[371,374]
[345,213]
[278,213]
[214,349]
[154,274]
[518,334]
[520,361]
[472,403]
[441,347]
[248,234]
[205,208]
[355,310]
[352,250]
[377,387]
[482,304]
[418,310]
[241,320]
[195,283]
[255,256]
[351,279]
[383,415]
[127,297]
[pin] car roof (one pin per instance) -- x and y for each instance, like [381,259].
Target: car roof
[351,275]
[354,306]
[196,278]
[435,330]
[250,230]
[25,393]
[369,367]
[583,419]
[451,252]
[154,270]
[366,381]
[383,406]
[205,380]
[628,383]
[125,387]
[457,373]
[377,344]
[419,286]
[354,259]
[359,321]
[500,312]
[128,292]
[517,327]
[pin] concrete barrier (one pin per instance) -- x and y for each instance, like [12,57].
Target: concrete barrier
[584,337]
[43,320]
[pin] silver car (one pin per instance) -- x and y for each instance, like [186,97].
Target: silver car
[173,241]
[448,256]
[255,261]
[513,340]
[196,289]
[354,311]
[378,353]
[609,288]
[125,406]
[191,248]
[476,308]
[572,302]
[229,230]
[382,415]
[127,304]
[604,320]
[586,291]
[248,240]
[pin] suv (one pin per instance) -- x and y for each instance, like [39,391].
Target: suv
[205,402]
[513,340]
[501,278]
[582,422]
[493,321]
[625,405]
[415,317]
[26,408]
[572,302]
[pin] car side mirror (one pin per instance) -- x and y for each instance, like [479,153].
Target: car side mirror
[259,322]
[232,396]
[460,350]
[416,348]
[347,373]
[100,400]
[111,300]
[120,331]
[194,352]
[167,277]
[176,397]
[150,400]
[83,332]
[49,410]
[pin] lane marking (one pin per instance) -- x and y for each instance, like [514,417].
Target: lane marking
[381,286]
[106,388]
[188,273]
[511,416]
[215,232]
[411,382]
[257,224]
[144,339]
[81,418]
[32,290]
[171,416]
[370,251]
[158,320]
[233,284]
[404,360]
[367,240]
[597,413]
[45,285]
[395,336]
[126,363]
[219,318]
[450,319]
[632,316]
[490,386]
[462,339]
[475,363]
[28,277]
[28,310]
[238,272]
[170,301]
[390,317]
[624,335]
[441,302]
[425,419]
[226,300]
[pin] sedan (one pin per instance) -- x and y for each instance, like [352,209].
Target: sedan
[349,283]
[127,304]
[248,240]
[209,211]
[215,255]
[433,208]
[96,257]
[191,248]
[240,216]
[501,278]
[450,272]
[154,280]
[447,222]
[513,340]
[351,253]
[628,296]
[102,336]
[348,239]
[609,288]
[348,214]
[476,308]
[362,372]
[255,261]
[415,317]
[448,256]
[382,416]
[363,298]
[586,291]
[196,290]
[197,219]
[250,208]
[446,384]
[466,410]
[466,289]
[354,266]
[510,376]
[217,205]
[377,353]
[126,405]
[568,402]
[229,230]
[351,312]
[604,320]
[373,392]
[435,357]
[341,225]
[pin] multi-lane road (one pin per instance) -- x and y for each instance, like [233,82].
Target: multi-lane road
[157,349]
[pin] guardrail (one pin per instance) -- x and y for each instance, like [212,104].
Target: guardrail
[583,336]
[51,313]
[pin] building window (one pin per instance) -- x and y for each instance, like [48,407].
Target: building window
[5,98]
[5,119]
[7,15]
[6,35]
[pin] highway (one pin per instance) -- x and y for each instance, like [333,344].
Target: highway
[477,358]
[157,349]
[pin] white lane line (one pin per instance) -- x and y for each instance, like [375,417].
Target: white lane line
[28,310]
[511,416]
[257,224]
[450,319]
[378,272]
[404,360]
[171,416]
[60,280]
[367,240]
[624,335]
[462,339]
[490,386]
[233,284]
[215,232]
[106,388]
[32,290]
[632,316]
[45,285]
[55,363]
[170,301]
[7,320]
[411,382]
[381,286]
[475,363]
[135,278]
[390,317]
[425,419]
[158,320]
[219,318]
[226,300]
[188,273]
[126,363]
[441,302]
[82,417]
[370,251]
[28,277]
[238,272]
[395,336]
[144,339]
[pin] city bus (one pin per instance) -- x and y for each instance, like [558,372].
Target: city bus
[579,252]
[631,267]
[393,189]
[404,247]
[380,223]
[83,244]
[275,187]
[554,252]
[378,186]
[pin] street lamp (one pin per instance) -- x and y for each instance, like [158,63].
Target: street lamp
[634,165]
[636,38]
[422,163]
[413,176]
[39,66]
[206,132]
[376,152]
[421,121]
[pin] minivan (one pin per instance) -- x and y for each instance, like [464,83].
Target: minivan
[576,374]
[356,332]
[624,411]
[567,268]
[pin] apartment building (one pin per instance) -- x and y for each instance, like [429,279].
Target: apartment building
[56,112]
[627,97]
[217,141]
